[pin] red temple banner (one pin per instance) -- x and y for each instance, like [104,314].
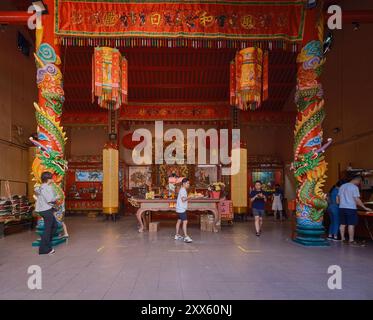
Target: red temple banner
[151,19]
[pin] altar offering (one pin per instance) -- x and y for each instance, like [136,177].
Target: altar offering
[150,195]
[195,195]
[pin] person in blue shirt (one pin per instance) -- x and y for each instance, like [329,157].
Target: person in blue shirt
[258,200]
[333,210]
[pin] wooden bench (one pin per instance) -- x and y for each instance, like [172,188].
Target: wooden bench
[14,226]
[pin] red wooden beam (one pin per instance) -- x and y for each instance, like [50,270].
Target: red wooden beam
[80,103]
[157,85]
[147,68]
[360,16]
[174,85]
[163,50]
[14,17]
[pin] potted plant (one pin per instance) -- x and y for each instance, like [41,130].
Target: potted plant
[215,189]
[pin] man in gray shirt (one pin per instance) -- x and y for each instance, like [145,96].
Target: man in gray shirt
[46,197]
[348,198]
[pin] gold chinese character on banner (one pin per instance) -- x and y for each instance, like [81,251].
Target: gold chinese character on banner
[110,19]
[155,18]
[282,21]
[248,22]
[206,20]
[76,18]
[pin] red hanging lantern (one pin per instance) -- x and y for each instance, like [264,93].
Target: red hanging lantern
[249,78]
[109,78]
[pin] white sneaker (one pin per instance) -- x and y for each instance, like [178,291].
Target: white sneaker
[188,239]
[52,252]
[178,237]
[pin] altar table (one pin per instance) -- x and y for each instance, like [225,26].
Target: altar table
[202,204]
[366,215]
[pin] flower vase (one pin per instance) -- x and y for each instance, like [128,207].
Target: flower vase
[215,194]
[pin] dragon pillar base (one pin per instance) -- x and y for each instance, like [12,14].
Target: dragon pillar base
[311,236]
[56,240]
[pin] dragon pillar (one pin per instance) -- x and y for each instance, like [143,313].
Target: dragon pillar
[309,162]
[50,139]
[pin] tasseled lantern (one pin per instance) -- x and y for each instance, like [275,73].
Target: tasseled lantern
[109,78]
[249,79]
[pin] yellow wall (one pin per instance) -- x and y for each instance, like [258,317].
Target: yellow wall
[17,93]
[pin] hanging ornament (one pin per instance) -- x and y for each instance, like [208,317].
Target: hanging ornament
[109,78]
[327,42]
[249,79]
[311,4]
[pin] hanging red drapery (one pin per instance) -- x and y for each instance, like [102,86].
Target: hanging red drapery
[109,77]
[180,23]
[249,78]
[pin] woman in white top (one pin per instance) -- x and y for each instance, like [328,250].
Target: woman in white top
[277,202]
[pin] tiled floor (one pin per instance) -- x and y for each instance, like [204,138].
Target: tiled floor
[107,260]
